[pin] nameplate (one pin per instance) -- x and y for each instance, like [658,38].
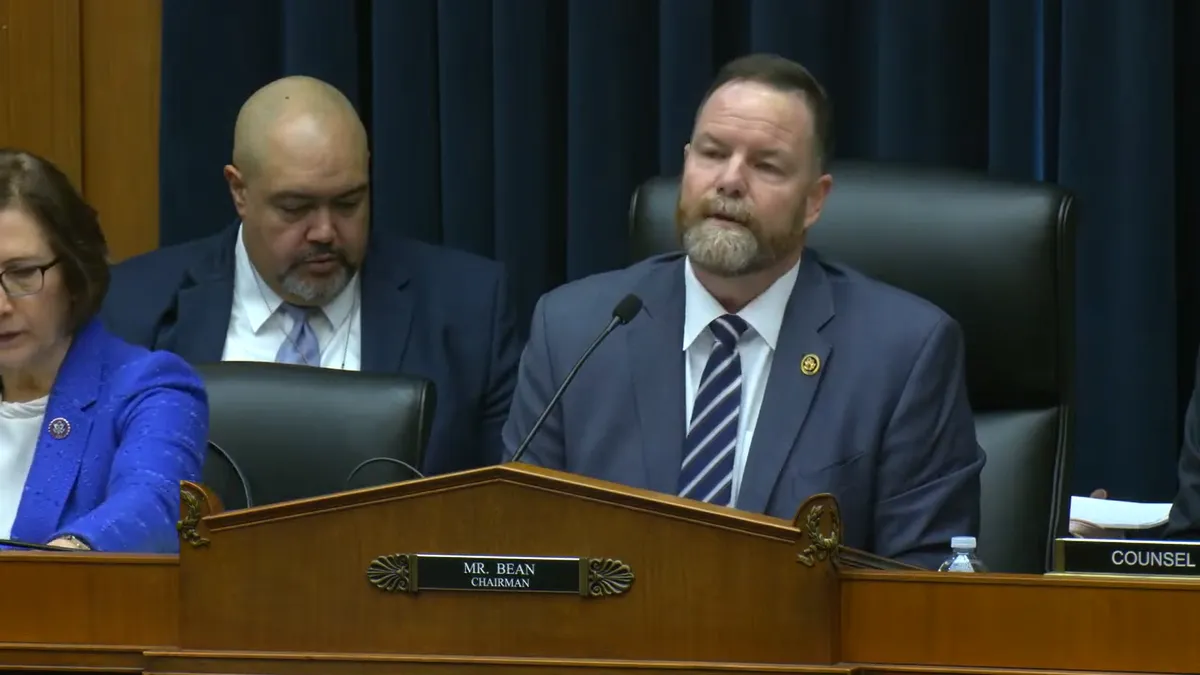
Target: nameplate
[1128,556]
[416,572]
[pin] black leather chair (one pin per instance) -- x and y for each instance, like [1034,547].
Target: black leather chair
[292,432]
[998,256]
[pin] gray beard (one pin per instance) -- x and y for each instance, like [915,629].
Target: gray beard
[724,251]
[315,293]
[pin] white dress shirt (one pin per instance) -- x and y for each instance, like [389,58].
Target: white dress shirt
[764,315]
[257,328]
[20,428]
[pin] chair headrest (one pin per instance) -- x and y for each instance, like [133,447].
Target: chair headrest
[297,430]
[996,255]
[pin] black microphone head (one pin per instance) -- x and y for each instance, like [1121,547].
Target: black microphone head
[627,308]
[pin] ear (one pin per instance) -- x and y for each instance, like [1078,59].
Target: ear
[237,188]
[816,199]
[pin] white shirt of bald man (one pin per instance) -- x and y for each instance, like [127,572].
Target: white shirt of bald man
[258,328]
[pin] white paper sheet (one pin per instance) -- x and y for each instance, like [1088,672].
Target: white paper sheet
[1117,515]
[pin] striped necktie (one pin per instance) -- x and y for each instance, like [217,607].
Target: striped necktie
[707,473]
[301,346]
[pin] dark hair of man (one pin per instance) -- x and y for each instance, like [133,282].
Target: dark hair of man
[785,76]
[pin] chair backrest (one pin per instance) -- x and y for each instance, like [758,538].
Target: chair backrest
[996,255]
[296,431]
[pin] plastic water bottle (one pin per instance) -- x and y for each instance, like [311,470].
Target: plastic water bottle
[964,558]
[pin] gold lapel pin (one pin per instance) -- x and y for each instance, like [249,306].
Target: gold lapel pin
[810,364]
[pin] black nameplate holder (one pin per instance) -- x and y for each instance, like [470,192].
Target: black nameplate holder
[1127,557]
[416,572]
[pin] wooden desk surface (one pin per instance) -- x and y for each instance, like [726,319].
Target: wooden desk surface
[252,595]
[106,612]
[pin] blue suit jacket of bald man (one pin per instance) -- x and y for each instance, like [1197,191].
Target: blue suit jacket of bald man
[884,424]
[427,311]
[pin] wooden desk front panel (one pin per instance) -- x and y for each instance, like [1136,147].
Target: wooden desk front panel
[64,610]
[1028,622]
[102,612]
[701,592]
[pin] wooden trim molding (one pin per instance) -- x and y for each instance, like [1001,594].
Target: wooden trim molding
[79,85]
[121,49]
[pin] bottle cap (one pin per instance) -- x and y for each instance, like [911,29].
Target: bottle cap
[957,543]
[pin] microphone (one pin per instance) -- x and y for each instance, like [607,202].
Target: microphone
[17,543]
[371,461]
[623,313]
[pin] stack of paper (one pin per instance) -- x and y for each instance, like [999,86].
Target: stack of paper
[1110,514]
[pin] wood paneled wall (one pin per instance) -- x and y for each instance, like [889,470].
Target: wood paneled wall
[79,84]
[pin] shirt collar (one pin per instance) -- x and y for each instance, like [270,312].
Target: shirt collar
[261,302]
[764,314]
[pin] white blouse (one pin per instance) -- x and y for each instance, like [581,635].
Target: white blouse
[20,426]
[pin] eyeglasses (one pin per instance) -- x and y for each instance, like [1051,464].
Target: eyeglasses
[21,281]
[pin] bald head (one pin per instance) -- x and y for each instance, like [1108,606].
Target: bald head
[294,112]
[300,183]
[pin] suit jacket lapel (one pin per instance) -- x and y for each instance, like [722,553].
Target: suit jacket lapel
[655,343]
[63,439]
[789,390]
[387,307]
[204,305]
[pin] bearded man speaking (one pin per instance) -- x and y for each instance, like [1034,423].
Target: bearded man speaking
[756,373]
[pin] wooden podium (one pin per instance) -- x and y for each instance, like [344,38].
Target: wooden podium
[515,569]
[625,575]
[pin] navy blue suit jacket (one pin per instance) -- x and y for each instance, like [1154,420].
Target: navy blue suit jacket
[123,426]
[884,424]
[1184,521]
[427,311]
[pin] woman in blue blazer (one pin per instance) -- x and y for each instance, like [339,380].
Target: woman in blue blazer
[95,434]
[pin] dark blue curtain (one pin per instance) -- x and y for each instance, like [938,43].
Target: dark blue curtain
[519,128]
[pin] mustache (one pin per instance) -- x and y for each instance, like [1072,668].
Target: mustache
[736,210]
[320,251]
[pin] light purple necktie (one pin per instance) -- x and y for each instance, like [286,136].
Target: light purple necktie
[301,346]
